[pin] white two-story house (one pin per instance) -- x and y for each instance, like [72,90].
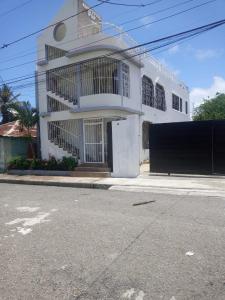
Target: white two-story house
[97,101]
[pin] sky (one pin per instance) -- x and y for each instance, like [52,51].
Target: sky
[199,62]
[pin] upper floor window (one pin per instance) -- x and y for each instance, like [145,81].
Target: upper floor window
[181,104]
[147,91]
[177,103]
[126,80]
[160,98]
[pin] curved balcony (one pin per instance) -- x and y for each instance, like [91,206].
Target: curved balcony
[95,82]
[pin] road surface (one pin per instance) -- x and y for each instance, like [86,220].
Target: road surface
[65,243]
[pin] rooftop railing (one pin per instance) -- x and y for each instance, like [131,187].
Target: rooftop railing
[142,53]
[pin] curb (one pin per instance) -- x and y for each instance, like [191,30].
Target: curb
[58,184]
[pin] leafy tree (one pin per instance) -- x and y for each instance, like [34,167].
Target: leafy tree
[211,109]
[6,98]
[27,117]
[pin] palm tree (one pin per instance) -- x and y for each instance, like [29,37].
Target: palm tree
[6,98]
[27,117]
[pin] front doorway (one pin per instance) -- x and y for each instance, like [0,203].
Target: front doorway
[93,141]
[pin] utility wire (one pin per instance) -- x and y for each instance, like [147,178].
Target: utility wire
[15,8]
[198,29]
[156,12]
[117,34]
[107,28]
[127,5]
[6,45]
[168,40]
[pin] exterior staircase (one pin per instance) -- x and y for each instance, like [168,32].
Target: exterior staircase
[59,97]
[60,136]
[92,170]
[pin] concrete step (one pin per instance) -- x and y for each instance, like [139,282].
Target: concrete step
[90,174]
[94,165]
[92,169]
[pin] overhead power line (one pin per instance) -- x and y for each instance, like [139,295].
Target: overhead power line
[15,8]
[6,45]
[165,41]
[123,32]
[107,28]
[127,4]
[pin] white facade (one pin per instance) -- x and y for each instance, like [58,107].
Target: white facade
[90,94]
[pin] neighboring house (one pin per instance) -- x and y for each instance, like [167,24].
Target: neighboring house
[97,105]
[13,142]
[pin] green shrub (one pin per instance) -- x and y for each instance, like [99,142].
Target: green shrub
[68,163]
[20,163]
[36,164]
[52,164]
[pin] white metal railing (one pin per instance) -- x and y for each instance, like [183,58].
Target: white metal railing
[66,135]
[95,76]
[118,32]
[54,105]
[99,76]
[62,82]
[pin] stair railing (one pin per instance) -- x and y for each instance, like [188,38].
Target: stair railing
[63,139]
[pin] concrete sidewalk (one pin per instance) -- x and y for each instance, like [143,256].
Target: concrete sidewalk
[175,184]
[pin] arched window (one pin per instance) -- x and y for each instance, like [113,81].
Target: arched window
[147,91]
[160,98]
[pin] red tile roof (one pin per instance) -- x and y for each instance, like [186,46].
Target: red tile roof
[13,129]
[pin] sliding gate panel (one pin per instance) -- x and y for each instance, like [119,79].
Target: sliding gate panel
[184,147]
[219,147]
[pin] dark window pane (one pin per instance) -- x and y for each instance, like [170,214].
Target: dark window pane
[147,91]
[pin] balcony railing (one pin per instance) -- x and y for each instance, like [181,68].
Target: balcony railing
[96,76]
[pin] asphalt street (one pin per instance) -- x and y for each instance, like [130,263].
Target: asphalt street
[65,243]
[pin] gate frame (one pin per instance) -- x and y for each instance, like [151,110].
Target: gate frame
[84,140]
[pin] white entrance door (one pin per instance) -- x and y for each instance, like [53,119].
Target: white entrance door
[93,141]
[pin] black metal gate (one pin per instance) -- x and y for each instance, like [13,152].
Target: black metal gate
[188,147]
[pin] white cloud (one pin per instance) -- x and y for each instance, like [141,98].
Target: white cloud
[197,95]
[203,54]
[173,50]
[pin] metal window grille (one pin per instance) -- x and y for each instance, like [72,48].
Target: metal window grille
[126,80]
[181,104]
[160,99]
[147,91]
[175,102]
[53,52]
